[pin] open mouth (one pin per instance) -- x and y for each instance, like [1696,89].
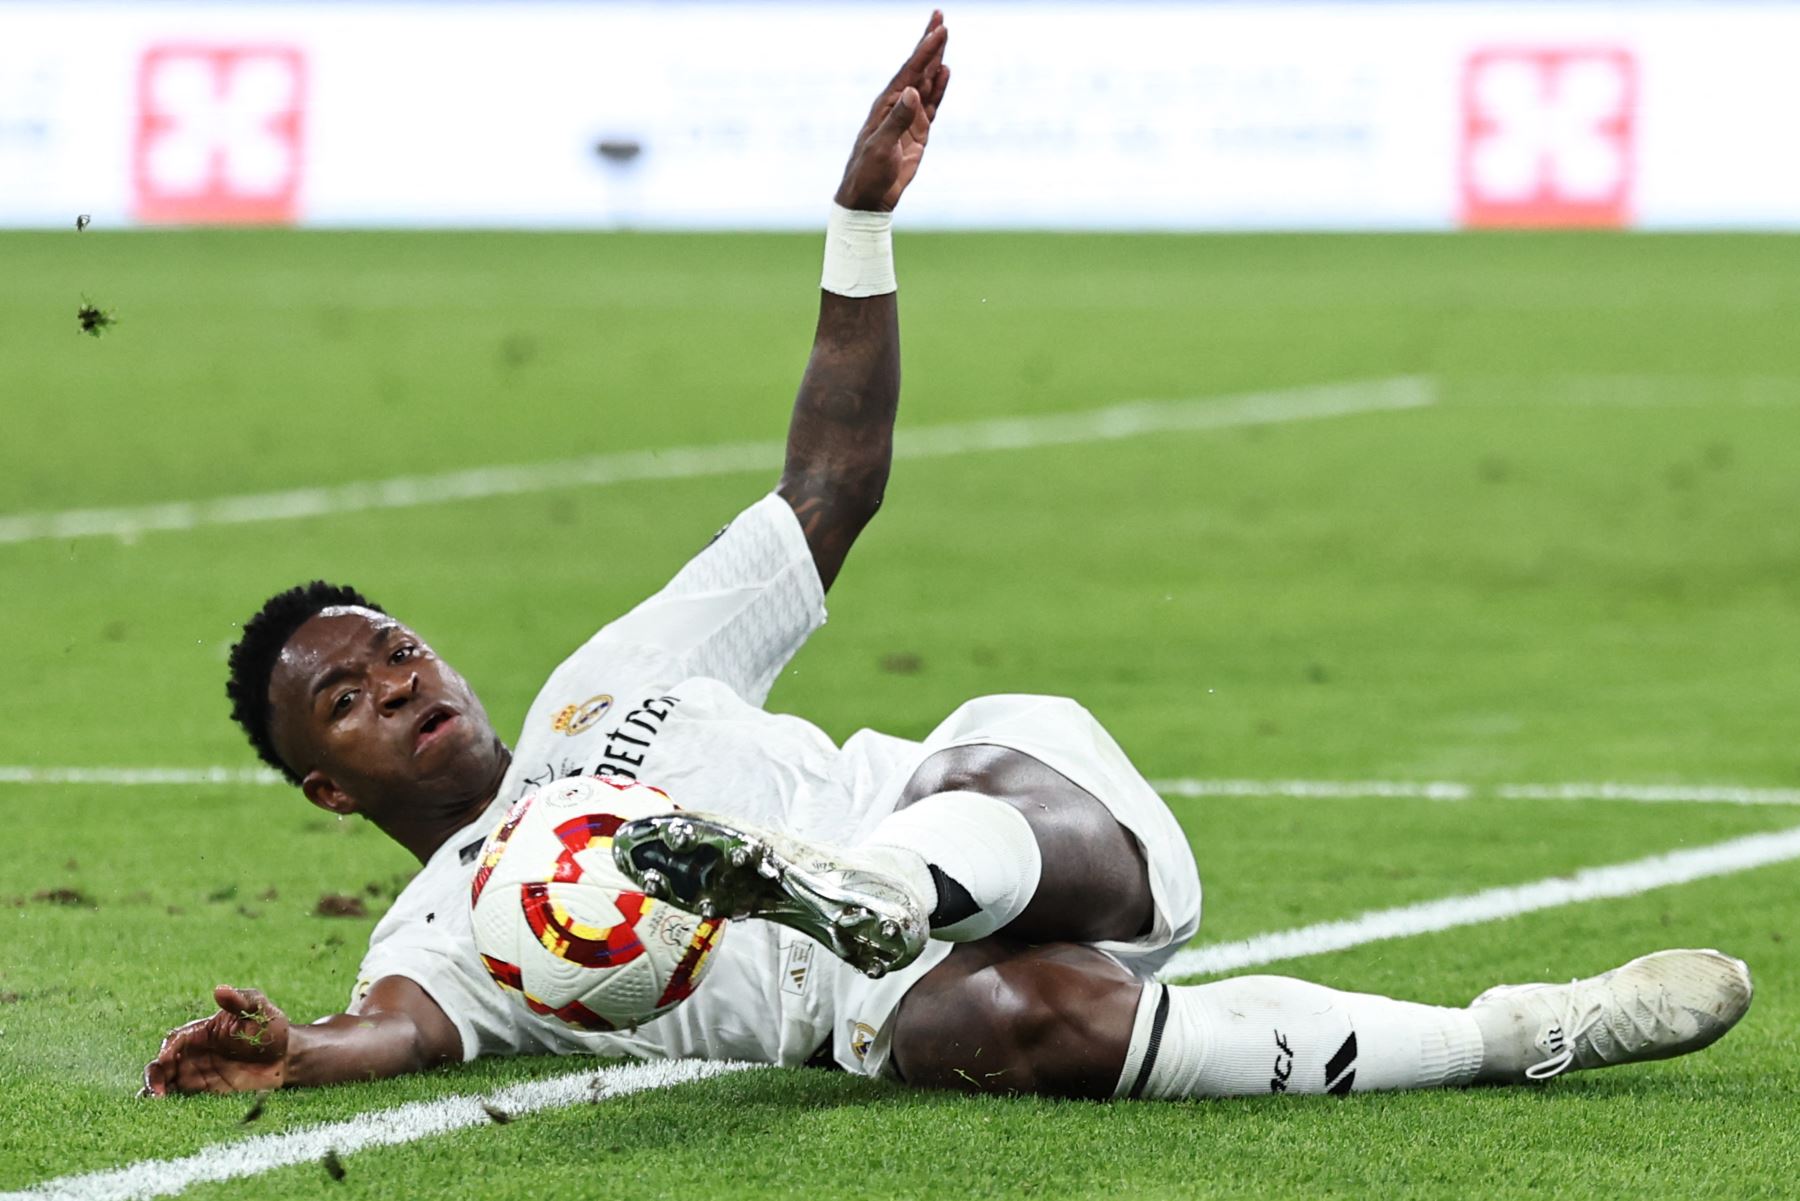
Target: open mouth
[438,719]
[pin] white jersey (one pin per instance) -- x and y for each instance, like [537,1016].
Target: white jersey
[671,694]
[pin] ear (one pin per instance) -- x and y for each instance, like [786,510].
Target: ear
[323,791]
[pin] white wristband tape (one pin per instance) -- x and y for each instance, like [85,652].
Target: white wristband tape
[859,253]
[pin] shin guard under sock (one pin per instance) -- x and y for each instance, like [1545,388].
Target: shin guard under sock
[1255,1035]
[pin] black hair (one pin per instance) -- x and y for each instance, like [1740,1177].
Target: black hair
[253,658]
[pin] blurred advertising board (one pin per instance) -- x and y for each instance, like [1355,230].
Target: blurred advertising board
[1062,116]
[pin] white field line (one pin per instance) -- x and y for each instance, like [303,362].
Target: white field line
[1430,790]
[1452,790]
[127,777]
[1130,420]
[1329,790]
[1650,794]
[406,1123]
[402,1124]
[1429,917]
[1632,391]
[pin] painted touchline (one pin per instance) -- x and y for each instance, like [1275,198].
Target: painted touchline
[1453,790]
[138,777]
[1493,904]
[1112,422]
[381,1128]
[406,1123]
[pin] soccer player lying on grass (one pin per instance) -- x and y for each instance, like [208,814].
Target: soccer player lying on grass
[1004,892]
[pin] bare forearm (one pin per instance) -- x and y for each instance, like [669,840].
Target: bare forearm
[841,437]
[349,1046]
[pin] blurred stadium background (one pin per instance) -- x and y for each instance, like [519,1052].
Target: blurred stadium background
[1444,544]
[733,115]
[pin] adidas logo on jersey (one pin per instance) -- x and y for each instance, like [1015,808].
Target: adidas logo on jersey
[796,969]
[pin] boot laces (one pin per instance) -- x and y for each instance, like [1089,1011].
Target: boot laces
[1584,1010]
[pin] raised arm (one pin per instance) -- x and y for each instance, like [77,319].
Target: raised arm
[250,1046]
[841,438]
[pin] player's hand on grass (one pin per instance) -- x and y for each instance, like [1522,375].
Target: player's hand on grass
[892,141]
[241,1048]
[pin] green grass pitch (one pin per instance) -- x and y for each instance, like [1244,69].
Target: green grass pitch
[1580,564]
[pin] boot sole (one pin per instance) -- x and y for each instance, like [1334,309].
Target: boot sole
[718,869]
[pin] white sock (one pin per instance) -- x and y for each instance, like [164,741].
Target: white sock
[1255,1035]
[984,846]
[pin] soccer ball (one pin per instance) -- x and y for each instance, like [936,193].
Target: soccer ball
[559,925]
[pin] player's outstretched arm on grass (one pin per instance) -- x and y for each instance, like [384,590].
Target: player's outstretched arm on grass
[841,437]
[250,1046]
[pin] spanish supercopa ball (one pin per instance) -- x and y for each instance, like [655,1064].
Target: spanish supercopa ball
[557,924]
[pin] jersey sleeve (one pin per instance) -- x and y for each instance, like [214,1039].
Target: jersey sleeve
[737,612]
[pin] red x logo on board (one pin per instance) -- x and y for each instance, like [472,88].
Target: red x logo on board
[1548,137]
[219,134]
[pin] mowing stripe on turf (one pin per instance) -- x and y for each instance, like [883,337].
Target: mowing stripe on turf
[402,1124]
[1493,904]
[406,1123]
[1114,422]
[1429,790]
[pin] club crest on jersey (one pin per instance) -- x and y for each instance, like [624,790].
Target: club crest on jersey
[573,719]
[862,1037]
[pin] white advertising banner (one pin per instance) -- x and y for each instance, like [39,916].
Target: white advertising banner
[739,115]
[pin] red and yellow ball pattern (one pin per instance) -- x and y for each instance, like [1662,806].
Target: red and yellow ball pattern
[560,926]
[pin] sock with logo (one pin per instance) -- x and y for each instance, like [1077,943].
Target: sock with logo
[972,858]
[1255,1035]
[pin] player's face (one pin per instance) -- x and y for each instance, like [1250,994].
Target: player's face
[362,700]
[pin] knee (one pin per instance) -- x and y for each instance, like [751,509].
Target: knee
[961,769]
[1026,1025]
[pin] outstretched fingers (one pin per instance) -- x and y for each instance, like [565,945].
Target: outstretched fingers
[164,1070]
[925,55]
[193,1056]
[933,92]
[933,62]
[189,1062]
[919,69]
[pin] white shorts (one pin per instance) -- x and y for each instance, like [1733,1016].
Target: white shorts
[1065,737]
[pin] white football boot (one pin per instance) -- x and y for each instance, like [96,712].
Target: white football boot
[855,902]
[1656,1007]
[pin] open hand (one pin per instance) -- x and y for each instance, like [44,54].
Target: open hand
[241,1048]
[892,142]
